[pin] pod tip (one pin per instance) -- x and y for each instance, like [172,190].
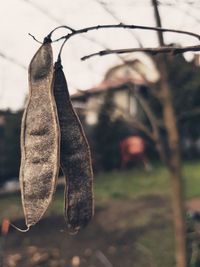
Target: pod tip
[20,230]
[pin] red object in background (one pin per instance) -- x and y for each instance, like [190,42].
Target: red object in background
[5,227]
[132,150]
[4,231]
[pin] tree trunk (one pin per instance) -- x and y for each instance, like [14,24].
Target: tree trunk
[174,162]
[174,166]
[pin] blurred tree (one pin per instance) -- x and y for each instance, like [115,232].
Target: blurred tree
[184,81]
[9,144]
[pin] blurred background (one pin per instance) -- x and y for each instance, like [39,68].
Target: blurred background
[133,222]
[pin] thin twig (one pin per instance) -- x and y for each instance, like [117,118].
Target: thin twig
[155,126]
[60,22]
[127,26]
[133,121]
[35,38]
[148,111]
[136,124]
[149,50]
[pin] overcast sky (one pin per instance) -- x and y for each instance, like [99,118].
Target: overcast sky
[19,17]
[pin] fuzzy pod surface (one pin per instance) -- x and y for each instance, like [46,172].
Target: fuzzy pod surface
[40,138]
[75,157]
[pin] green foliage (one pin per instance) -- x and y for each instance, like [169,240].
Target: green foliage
[184,80]
[191,172]
[9,145]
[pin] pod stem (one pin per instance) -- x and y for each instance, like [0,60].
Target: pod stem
[59,27]
[61,49]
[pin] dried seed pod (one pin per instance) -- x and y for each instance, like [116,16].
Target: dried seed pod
[40,138]
[75,157]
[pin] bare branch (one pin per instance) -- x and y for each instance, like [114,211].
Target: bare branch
[154,136]
[120,25]
[136,124]
[141,127]
[149,113]
[60,22]
[133,121]
[126,26]
[154,92]
[155,126]
[149,50]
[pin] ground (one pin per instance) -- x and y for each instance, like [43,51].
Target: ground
[132,226]
[115,237]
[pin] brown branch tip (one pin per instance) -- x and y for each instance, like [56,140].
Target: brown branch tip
[150,50]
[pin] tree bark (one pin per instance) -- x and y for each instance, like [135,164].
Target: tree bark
[174,163]
[174,166]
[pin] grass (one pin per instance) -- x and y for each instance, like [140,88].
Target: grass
[135,183]
[191,175]
[128,184]
[160,245]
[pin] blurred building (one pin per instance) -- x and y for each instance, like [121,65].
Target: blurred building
[196,59]
[122,80]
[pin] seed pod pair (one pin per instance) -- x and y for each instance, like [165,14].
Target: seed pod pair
[50,131]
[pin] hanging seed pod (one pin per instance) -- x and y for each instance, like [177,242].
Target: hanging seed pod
[40,138]
[75,157]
